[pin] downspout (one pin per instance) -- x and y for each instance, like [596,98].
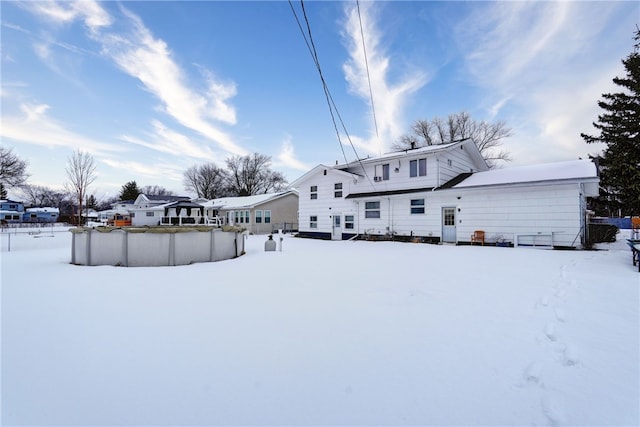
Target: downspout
[389,215]
[437,174]
[358,216]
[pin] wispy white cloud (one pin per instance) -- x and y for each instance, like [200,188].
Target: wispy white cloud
[150,60]
[89,11]
[35,126]
[153,170]
[534,62]
[287,158]
[389,99]
[169,141]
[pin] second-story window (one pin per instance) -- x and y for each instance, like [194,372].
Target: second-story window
[314,192]
[418,168]
[381,172]
[337,187]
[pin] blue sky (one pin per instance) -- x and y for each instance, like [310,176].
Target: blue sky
[152,88]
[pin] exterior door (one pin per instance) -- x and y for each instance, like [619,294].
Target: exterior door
[336,233]
[449,225]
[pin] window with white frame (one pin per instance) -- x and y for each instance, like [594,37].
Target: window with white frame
[247,217]
[258,217]
[267,217]
[237,215]
[372,210]
[417,206]
[349,222]
[337,189]
[313,221]
[417,167]
[314,192]
[149,213]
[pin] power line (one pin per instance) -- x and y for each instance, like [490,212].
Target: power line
[366,63]
[330,102]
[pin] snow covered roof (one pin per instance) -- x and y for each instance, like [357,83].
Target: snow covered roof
[243,201]
[574,169]
[474,152]
[56,210]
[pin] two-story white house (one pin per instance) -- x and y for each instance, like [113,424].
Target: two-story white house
[443,193]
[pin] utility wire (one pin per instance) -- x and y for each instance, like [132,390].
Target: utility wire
[366,63]
[330,102]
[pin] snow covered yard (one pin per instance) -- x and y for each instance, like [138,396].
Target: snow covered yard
[322,333]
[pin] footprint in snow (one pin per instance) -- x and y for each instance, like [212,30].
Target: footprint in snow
[533,373]
[560,315]
[561,293]
[550,331]
[570,356]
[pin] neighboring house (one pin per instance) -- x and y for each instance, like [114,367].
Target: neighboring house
[149,210]
[11,211]
[259,214]
[41,215]
[183,212]
[443,193]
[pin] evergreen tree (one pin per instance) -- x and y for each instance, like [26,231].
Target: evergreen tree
[619,127]
[92,203]
[3,192]
[129,191]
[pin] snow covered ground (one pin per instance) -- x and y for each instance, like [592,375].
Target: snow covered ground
[322,333]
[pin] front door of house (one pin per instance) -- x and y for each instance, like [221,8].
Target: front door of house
[336,233]
[448,225]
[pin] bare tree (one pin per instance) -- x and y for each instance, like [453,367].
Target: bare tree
[81,170]
[13,170]
[155,190]
[35,195]
[487,136]
[252,174]
[207,181]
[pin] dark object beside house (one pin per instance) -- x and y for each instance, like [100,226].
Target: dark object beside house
[602,233]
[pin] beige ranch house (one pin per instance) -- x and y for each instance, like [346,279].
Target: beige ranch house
[259,214]
[445,194]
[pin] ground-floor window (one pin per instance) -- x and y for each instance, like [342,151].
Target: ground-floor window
[372,210]
[417,206]
[267,217]
[258,217]
[149,213]
[349,222]
[313,221]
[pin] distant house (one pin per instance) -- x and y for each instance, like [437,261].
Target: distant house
[259,214]
[443,194]
[149,210]
[183,212]
[11,211]
[41,215]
